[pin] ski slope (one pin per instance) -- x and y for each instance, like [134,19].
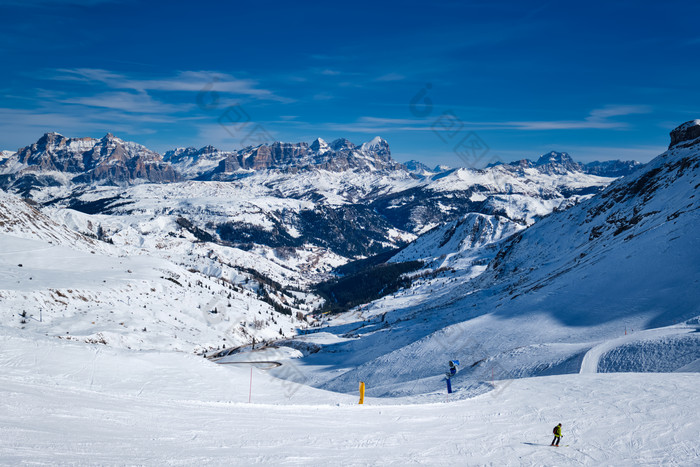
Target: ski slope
[78,404]
[591,360]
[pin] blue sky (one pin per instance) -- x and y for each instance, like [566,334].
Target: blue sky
[452,82]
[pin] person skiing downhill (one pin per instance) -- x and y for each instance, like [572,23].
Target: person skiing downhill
[557,435]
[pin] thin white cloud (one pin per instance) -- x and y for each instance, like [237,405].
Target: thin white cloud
[127,102]
[598,119]
[323,96]
[22,127]
[391,77]
[393,121]
[188,81]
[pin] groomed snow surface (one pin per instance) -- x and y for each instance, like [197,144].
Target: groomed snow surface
[67,403]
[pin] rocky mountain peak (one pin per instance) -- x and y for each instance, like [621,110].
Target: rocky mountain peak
[51,139]
[341,144]
[685,133]
[320,146]
[55,160]
[376,144]
[557,163]
[209,149]
[554,157]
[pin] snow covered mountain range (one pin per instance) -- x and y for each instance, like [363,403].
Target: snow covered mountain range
[351,201]
[55,159]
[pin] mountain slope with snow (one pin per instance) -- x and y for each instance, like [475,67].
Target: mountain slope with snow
[59,283]
[624,260]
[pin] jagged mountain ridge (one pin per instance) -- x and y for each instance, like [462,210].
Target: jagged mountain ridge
[340,155]
[56,160]
[348,213]
[417,167]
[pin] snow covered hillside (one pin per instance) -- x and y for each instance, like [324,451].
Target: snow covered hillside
[19,219]
[624,261]
[58,283]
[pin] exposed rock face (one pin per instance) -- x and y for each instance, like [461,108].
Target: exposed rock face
[55,152]
[340,155]
[191,163]
[685,133]
[557,162]
[86,160]
[320,146]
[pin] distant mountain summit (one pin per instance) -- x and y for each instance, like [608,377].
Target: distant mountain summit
[561,163]
[191,162]
[557,162]
[685,134]
[55,160]
[417,167]
[611,168]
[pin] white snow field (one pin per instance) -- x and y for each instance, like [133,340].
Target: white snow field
[67,403]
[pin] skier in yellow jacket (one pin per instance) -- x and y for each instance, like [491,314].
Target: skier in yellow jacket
[557,435]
